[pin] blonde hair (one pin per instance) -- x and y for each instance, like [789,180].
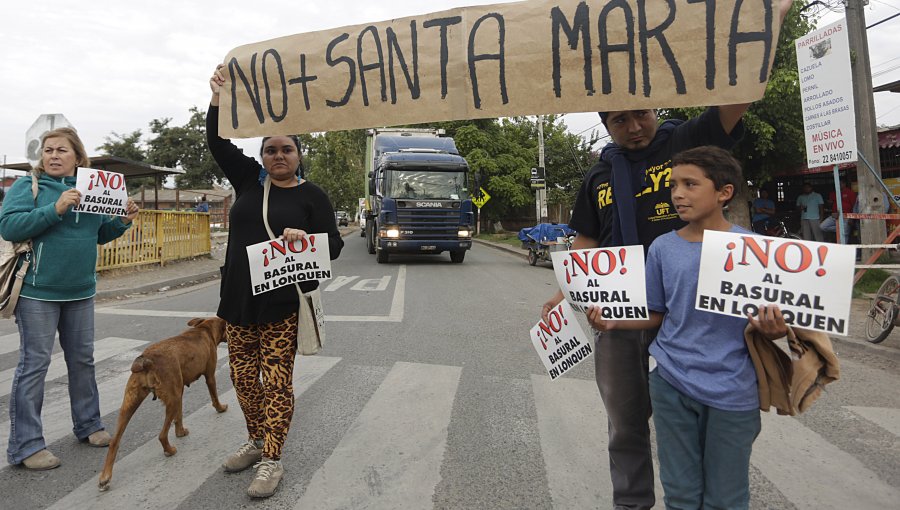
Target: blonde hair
[81,157]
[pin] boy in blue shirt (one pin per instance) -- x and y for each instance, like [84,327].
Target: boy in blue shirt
[704,390]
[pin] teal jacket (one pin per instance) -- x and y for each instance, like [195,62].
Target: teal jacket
[64,258]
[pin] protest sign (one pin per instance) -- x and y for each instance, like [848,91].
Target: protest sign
[501,60]
[612,278]
[276,263]
[810,282]
[826,81]
[560,342]
[102,192]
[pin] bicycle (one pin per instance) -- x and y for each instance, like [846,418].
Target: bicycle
[774,227]
[882,315]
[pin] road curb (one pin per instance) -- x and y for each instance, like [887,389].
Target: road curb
[502,247]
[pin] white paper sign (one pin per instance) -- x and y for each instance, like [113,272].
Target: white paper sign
[810,282]
[826,90]
[102,192]
[560,343]
[612,278]
[274,264]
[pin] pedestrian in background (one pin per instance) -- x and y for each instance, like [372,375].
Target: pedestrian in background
[848,202]
[261,330]
[763,209]
[57,296]
[203,206]
[704,388]
[812,208]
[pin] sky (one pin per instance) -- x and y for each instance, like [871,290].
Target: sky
[112,66]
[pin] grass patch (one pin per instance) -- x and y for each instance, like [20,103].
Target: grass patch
[870,282]
[509,238]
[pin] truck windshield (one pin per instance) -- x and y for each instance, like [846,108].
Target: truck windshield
[427,184]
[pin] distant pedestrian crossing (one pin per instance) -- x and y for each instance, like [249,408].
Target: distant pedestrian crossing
[390,454]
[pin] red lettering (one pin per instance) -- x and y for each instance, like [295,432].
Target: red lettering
[761,255]
[610,263]
[781,257]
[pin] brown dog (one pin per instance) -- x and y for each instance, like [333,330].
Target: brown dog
[164,369]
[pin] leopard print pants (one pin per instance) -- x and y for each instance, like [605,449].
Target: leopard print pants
[268,404]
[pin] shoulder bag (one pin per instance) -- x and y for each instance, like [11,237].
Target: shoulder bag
[11,279]
[311,315]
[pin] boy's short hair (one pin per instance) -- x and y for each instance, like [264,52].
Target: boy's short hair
[718,165]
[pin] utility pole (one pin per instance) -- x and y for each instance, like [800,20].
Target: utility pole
[541,194]
[870,191]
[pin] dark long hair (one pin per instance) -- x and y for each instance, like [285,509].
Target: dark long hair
[296,140]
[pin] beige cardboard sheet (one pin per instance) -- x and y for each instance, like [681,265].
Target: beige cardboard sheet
[523,58]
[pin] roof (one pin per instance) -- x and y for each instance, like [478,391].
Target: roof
[184,195]
[894,86]
[128,167]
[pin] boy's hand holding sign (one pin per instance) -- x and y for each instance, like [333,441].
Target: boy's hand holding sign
[810,282]
[612,278]
[281,262]
[102,192]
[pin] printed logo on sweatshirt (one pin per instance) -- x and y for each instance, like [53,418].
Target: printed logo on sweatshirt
[604,195]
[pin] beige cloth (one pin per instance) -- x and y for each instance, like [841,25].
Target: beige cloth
[792,383]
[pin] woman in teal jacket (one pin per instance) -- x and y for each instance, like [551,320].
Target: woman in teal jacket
[57,295]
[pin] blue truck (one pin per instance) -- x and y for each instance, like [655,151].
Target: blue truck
[417,199]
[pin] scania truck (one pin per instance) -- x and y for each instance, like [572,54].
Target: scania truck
[417,198]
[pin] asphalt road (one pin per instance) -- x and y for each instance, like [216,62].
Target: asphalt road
[429,395]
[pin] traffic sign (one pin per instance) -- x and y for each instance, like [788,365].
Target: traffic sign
[481,198]
[44,123]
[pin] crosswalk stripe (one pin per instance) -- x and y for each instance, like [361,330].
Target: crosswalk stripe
[813,473]
[572,424]
[391,455]
[147,479]
[886,418]
[56,415]
[103,349]
[9,343]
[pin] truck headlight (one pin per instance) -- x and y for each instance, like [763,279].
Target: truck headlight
[464,233]
[392,233]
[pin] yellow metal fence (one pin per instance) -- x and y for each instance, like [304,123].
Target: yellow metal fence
[157,237]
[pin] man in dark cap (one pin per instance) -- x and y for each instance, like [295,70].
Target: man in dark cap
[625,200]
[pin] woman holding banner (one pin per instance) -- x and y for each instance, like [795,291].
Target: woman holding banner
[261,329]
[57,295]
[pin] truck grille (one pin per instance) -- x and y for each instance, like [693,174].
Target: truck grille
[428,223]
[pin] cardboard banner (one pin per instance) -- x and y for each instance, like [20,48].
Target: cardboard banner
[612,278]
[826,81]
[274,264]
[502,60]
[811,282]
[102,192]
[560,343]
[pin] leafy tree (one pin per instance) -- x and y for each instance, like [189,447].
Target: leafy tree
[184,147]
[128,146]
[335,162]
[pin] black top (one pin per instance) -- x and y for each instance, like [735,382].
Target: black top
[305,207]
[593,214]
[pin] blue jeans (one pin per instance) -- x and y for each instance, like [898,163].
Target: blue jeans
[704,452]
[38,322]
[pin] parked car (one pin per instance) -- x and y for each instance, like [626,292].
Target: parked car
[342,218]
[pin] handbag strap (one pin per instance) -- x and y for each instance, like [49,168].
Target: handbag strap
[267,185]
[20,273]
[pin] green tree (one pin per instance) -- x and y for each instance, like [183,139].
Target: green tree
[128,146]
[334,161]
[184,147]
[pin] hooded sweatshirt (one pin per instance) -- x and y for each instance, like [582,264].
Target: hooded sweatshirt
[64,257]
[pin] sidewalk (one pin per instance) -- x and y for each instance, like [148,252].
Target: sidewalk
[122,283]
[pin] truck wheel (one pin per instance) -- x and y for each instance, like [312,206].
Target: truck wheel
[370,238]
[381,256]
[532,257]
[457,256]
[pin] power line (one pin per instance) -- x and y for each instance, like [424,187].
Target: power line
[882,21]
